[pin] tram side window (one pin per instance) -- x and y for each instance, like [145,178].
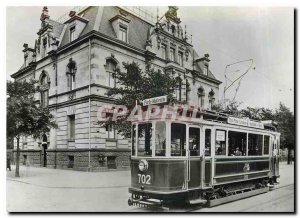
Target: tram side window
[237,143]
[160,139]
[255,144]
[145,139]
[266,144]
[133,140]
[220,148]
[208,142]
[194,141]
[178,139]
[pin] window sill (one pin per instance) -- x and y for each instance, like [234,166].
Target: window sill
[111,140]
[71,140]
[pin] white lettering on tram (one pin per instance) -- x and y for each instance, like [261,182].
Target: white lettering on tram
[144,179]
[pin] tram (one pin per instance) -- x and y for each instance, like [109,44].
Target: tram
[211,159]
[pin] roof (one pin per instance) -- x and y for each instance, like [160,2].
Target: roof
[99,19]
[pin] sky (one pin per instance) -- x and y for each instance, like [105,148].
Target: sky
[227,34]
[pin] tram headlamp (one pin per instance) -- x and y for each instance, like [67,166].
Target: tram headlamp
[143,165]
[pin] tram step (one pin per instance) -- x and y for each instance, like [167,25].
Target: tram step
[197,201]
[147,202]
[215,202]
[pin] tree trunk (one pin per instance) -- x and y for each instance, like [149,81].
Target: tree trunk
[289,155]
[17,174]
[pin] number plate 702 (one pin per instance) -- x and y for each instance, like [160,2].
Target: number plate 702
[144,179]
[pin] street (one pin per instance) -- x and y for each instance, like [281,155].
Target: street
[50,190]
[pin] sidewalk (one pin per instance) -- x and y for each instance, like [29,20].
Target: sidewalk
[59,178]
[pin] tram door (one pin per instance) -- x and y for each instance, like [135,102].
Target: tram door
[194,161]
[206,157]
[275,155]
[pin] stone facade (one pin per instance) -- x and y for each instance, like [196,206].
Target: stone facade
[72,59]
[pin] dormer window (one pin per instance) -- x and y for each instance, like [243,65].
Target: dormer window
[205,70]
[123,33]
[72,33]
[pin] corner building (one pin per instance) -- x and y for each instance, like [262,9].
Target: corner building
[74,61]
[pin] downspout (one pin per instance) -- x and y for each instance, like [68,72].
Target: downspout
[89,105]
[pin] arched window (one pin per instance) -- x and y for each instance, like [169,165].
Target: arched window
[211,97]
[45,85]
[201,94]
[177,90]
[71,71]
[110,67]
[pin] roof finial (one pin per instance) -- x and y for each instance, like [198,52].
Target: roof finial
[157,16]
[44,14]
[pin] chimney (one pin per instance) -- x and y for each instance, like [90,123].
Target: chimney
[72,13]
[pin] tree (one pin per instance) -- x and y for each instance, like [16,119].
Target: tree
[134,85]
[286,126]
[232,108]
[24,116]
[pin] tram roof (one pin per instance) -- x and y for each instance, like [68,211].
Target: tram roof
[196,115]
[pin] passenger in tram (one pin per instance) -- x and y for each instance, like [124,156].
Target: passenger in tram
[237,152]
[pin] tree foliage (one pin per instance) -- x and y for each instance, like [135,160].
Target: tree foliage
[283,116]
[24,115]
[135,85]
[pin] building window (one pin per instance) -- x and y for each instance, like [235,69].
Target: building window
[187,90]
[44,90]
[211,98]
[71,161]
[71,71]
[71,127]
[205,70]
[172,54]
[123,33]
[180,58]
[164,51]
[44,47]
[111,66]
[110,132]
[201,95]
[72,33]
[177,91]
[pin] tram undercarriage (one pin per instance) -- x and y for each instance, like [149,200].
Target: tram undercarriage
[218,195]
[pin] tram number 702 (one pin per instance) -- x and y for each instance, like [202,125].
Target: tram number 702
[144,179]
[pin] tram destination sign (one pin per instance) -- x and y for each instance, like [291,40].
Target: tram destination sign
[245,122]
[156,100]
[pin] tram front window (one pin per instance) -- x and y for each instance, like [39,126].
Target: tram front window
[145,139]
[208,142]
[133,140]
[237,143]
[255,144]
[178,139]
[220,148]
[266,144]
[160,139]
[194,141]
